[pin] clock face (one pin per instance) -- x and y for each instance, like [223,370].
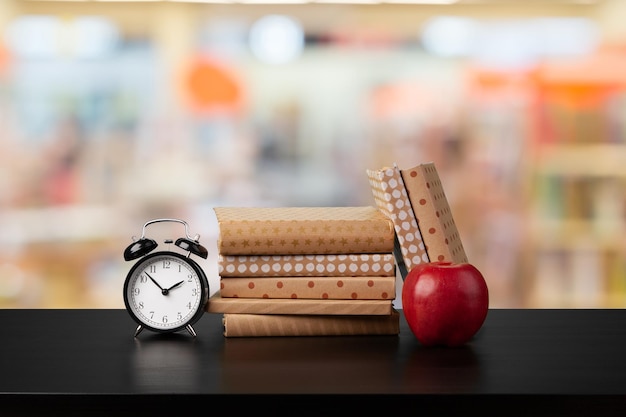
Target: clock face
[165,291]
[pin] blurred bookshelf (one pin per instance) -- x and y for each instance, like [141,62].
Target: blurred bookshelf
[578,203]
[96,141]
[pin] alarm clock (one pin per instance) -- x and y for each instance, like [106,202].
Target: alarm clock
[165,291]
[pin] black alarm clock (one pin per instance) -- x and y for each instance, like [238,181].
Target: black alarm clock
[165,291]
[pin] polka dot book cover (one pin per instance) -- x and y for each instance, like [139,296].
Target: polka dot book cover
[392,200]
[319,288]
[415,201]
[432,210]
[339,265]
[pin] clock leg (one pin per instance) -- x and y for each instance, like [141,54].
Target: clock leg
[138,330]
[191,330]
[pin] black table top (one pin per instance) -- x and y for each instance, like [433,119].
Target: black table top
[536,357]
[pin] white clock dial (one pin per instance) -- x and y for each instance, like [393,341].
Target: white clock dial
[165,291]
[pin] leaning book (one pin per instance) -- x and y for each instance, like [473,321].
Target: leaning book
[391,198]
[431,208]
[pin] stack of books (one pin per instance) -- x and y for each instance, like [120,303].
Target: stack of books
[305,271]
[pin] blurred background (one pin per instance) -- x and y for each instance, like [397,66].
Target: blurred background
[116,113]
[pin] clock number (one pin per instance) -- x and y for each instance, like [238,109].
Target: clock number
[152,314]
[164,319]
[153,268]
[140,305]
[143,278]
[189,277]
[179,316]
[189,305]
[194,292]
[136,291]
[166,264]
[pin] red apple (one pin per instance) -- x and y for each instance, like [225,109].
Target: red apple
[445,303]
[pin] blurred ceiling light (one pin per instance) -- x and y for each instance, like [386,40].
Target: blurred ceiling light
[33,36]
[272,1]
[565,36]
[203,1]
[348,1]
[422,1]
[40,36]
[513,42]
[276,39]
[93,37]
[450,36]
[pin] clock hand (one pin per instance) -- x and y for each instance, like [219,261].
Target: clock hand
[163,290]
[175,285]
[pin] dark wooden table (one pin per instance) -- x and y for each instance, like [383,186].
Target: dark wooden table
[522,362]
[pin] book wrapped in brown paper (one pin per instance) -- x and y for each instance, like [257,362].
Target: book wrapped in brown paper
[320,288]
[261,325]
[432,210]
[217,304]
[303,230]
[340,265]
[392,200]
